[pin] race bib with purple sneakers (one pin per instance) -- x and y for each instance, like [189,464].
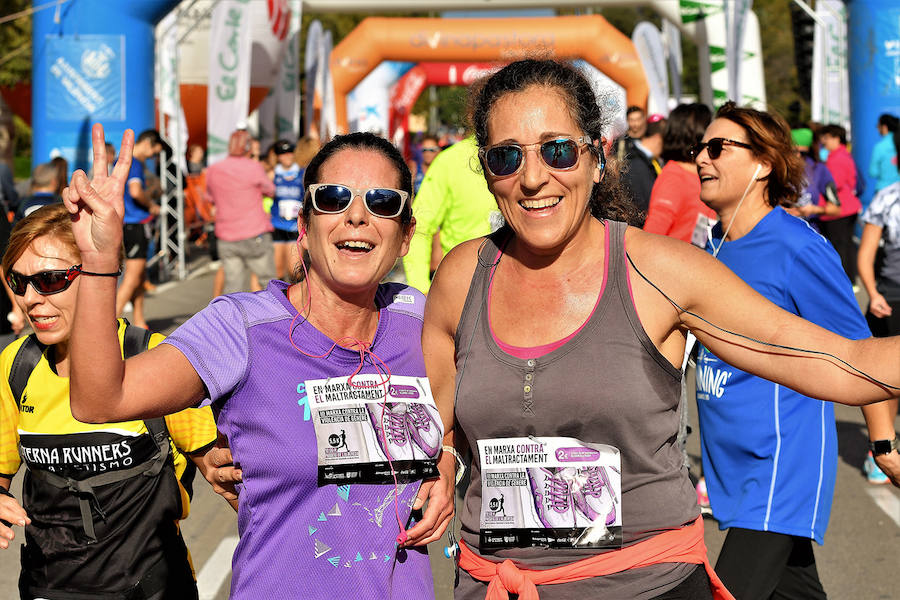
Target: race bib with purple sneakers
[361,434]
[550,491]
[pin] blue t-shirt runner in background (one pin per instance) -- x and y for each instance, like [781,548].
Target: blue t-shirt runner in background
[769,453]
[135,213]
[288,198]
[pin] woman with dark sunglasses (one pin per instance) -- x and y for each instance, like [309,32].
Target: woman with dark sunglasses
[319,386]
[770,453]
[101,503]
[554,348]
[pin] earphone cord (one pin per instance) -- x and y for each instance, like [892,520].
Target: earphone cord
[734,214]
[751,339]
[381,368]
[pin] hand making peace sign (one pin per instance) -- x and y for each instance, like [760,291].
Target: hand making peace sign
[97,206]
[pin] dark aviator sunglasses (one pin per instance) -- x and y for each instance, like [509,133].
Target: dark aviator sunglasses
[714,146]
[45,283]
[560,154]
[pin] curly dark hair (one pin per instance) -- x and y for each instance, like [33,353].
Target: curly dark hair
[770,141]
[608,200]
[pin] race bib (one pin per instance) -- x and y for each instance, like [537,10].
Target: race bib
[702,229]
[289,209]
[550,492]
[360,434]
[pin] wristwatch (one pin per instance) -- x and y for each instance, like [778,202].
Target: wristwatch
[884,446]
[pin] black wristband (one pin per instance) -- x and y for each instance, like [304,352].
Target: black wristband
[879,447]
[83,272]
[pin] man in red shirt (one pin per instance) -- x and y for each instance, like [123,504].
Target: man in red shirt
[236,186]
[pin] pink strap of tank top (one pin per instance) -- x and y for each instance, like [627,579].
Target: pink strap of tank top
[526,352]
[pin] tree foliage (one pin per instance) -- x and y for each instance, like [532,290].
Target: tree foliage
[15,44]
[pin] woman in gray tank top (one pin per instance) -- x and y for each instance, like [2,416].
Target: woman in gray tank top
[553,349]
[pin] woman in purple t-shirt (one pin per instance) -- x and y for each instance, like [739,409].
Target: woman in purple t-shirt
[327,459]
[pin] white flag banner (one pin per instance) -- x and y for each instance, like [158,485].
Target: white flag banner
[168,94]
[672,37]
[369,102]
[311,69]
[830,77]
[328,127]
[228,97]
[166,65]
[287,89]
[266,120]
[735,19]
[648,42]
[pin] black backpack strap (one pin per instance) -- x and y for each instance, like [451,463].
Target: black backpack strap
[135,340]
[27,358]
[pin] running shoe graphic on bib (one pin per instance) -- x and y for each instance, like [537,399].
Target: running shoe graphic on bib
[549,491]
[358,430]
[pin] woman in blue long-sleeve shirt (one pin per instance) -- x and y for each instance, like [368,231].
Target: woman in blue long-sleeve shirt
[883,164]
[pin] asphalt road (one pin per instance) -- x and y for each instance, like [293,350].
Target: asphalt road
[859,558]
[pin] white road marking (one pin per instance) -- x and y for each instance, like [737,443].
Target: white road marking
[216,569]
[886,500]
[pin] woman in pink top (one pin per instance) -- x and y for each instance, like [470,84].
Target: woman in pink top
[675,207]
[839,230]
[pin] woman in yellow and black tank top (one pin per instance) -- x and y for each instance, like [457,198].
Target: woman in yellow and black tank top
[103,501]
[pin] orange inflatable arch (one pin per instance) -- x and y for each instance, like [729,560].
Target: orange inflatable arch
[589,37]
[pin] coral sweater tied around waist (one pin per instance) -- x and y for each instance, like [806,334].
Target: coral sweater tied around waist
[683,545]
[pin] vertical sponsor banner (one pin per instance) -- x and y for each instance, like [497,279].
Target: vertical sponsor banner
[228,98]
[672,36]
[166,78]
[735,20]
[86,77]
[287,89]
[328,125]
[311,69]
[168,95]
[887,44]
[830,89]
[265,115]
[368,104]
[648,43]
[708,20]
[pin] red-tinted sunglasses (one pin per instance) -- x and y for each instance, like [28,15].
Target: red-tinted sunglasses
[45,283]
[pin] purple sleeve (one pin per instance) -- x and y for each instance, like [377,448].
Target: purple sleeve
[215,343]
